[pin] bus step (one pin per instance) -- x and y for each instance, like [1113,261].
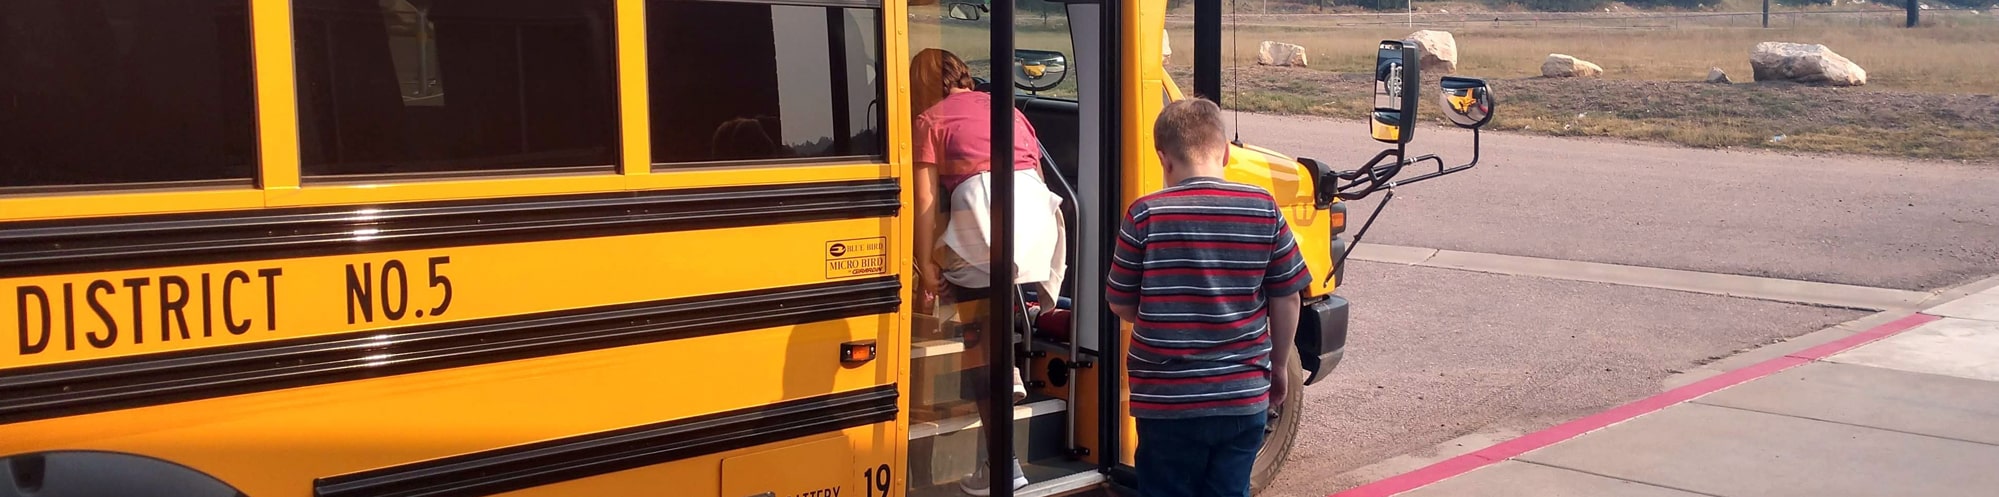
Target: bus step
[936,379]
[942,347]
[1055,477]
[945,450]
[927,429]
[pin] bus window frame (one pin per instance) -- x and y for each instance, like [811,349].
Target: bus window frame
[890,162]
[839,160]
[415,177]
[220,183]
[100,188]
[886,29]
[126,201]
[855,4]
[296,157]
[280,181]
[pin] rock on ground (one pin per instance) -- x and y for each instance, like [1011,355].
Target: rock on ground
[1716,75]
[1273,53]
[1438,51]
[1566,66]
[1802,63]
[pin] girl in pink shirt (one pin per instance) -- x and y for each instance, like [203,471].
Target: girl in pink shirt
[953,155]
[953,143]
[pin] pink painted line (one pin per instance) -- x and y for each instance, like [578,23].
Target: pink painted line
[1532,441]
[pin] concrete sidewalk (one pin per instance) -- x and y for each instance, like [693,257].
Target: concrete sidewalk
[1910,408]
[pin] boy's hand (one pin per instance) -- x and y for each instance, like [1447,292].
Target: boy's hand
[1277,388]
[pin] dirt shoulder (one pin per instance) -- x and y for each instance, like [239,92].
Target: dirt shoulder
[1773,116]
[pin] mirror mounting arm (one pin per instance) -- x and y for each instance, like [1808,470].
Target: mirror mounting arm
[1379,177]
[1372,177]
[1362,233]
[1441,170]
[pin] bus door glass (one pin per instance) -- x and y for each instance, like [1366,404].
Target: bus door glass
[949,375]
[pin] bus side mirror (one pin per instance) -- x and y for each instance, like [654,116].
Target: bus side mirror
[1396,81]
[964,11]
[1467,102]
[1039,70]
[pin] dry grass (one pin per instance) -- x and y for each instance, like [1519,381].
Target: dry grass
[1961,58]
[1831,120]
[1929,93]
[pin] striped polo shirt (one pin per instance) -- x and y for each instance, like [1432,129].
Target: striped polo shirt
[1197,259]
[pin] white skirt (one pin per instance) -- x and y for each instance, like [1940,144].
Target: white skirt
[1040,245]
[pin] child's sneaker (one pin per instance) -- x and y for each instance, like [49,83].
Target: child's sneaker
[978,485]
[1019,389]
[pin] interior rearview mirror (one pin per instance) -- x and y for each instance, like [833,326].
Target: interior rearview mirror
[964,11]
[1395,89]
[1039,70]
[1467,102]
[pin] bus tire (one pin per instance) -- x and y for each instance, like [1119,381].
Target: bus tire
[1283,432]
[92,473]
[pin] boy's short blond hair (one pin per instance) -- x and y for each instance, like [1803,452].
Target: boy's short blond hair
[1190,131]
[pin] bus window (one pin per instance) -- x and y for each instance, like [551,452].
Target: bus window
[1038,25]
[96,92]
[1044,25]
[425,86]
[782,82]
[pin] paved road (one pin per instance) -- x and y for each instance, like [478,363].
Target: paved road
[1858,221]
[1443,356]
[1440,353]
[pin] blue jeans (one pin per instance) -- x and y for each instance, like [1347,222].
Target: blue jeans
[1198,457]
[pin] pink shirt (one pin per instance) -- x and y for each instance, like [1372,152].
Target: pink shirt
[956,133]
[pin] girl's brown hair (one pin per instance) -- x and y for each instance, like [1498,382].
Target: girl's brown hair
[932,75]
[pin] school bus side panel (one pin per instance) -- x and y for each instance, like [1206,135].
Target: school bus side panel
[277,443]
[459,350]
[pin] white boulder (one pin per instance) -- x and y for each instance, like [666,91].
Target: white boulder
[1717,76]
[1437,51]
[1810,64]
[1567,66]
[1273,53]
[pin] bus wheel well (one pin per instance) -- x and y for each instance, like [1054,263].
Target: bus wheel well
[85,473]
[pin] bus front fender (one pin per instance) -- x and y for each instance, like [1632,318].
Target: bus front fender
[1322,336]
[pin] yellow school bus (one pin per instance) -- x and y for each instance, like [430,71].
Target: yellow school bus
[547,247]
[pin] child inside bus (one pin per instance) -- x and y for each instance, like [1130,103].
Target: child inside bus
[952,145]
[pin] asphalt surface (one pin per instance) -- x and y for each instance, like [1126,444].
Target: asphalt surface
[1441,357]
[1437,354]
[1858,221]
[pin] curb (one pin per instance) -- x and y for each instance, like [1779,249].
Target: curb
[1530,442]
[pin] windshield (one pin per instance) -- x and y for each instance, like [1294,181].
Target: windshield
[1039,25]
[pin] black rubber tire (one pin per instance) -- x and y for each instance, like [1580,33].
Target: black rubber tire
[91,473]
[1283,432]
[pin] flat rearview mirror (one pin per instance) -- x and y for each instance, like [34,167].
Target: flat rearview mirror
[1396,81]
[1467,102]
[1039,70]
[964,11]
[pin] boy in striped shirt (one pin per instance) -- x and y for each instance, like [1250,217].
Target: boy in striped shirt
[1208,274]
